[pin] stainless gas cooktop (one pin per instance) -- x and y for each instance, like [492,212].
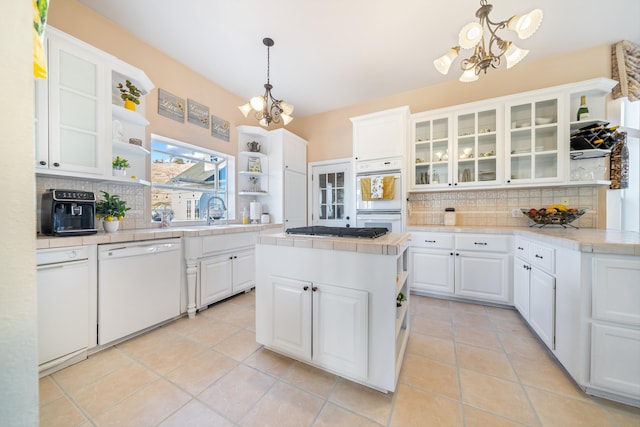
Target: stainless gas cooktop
[317,230]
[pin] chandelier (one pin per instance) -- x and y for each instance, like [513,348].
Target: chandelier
[267,108]
[489,54]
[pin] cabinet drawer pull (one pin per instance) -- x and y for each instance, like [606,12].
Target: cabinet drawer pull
[429,241]
[539,256]
[520,248]
[480,243]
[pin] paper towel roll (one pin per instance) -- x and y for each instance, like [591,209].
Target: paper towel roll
[255,211]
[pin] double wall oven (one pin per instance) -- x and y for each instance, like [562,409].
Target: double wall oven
[382,206]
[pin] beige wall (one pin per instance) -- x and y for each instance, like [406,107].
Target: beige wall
[329,134]
[18,302]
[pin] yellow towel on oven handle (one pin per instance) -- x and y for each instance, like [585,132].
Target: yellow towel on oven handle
[388,188]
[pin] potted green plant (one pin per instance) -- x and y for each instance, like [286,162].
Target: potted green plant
[130,94]
[111,210]
[120,166]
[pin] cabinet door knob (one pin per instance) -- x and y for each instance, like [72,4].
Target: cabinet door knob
[56,164]
[451,253]
[42,162]
[457,254]
[315,288]
[306,288]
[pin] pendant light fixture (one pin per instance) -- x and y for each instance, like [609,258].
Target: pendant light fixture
[267,108]
[489,53]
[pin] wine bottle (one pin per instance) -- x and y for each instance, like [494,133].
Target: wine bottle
[583,110]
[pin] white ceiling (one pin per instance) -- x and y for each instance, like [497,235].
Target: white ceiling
[334,53]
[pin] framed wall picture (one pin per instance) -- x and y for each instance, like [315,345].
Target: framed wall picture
[171,106]
[220,128]
[198,114]
[254,164]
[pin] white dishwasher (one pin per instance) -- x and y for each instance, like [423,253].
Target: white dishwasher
[138,286]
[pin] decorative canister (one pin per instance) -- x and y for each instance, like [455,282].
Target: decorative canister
[264,218]
[449,216]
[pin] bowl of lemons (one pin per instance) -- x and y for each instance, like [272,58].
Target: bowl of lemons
[557,214]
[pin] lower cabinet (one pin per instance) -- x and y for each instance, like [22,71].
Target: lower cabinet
[534,290]
[473,266]
[222,275]
[615,361]
[321,323]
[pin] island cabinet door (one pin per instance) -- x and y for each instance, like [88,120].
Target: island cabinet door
[291,311]
[340,329]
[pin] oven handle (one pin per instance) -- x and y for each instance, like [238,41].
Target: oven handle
[379,212]
[395,172]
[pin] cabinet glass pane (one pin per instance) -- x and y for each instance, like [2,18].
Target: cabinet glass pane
[440,151]
[487,121]
[78,148]
[77,111]
[547,112]
[521,167]
[422,175]
[466,148]
[466,124]
[521,142]
[487,145]
[520,116]
[422,152]
[547,139]
[423,131]
[331,188]
[547,165]
[466,171]
[77,74]
[487,169]
[440,173]
[441,129]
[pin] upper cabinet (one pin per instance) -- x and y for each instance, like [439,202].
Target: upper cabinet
[536,147]
[380,135]
[80,121]
[517,140]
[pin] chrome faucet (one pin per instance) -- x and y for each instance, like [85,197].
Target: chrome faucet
[210,219]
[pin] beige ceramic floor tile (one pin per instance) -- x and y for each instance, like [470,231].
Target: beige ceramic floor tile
[431,312]
[284,406]
[477,336]
[435,328]
[201,371]
[417,408]
[90,370]
[48,390]
[247,299]
[476,418]
[333,415]
[516,327]
[558,411]
[238,346]
[463,307]
[186,326]
[431,347]
[114,387]
[270,362]
[484,360]
[430,375]
[148,407]
[196,414]
[173,354]
[624,415]
[431,302]
[501,397]
[310,379]
[545,374]
[234,394]
[362,400]
[213,332]
[472,320]
[60,413]
[528,347]
[148,343]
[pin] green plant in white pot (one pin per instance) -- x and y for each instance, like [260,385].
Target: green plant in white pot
[111,210]
[120,166]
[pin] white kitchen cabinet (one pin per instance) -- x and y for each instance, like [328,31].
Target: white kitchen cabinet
[75,139]
[282,182]
[80,122]
[380,135]
[431,144]
[615,333]
[306,316]
[473,266]
[534,287]
[218,266]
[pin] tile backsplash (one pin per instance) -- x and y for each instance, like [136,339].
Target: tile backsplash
[138,217]
[494,207]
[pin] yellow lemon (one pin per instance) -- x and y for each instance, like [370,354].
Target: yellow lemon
[120,218]
[109,218]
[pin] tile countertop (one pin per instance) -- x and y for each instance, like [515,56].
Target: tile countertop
[584,239]
[46,242]
[389,244]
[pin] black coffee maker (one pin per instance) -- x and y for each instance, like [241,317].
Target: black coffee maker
[68,213]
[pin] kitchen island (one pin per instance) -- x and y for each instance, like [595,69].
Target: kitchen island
[331,302]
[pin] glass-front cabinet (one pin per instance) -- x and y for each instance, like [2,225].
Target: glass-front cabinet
[477,147]
[532,135]
[431,151]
